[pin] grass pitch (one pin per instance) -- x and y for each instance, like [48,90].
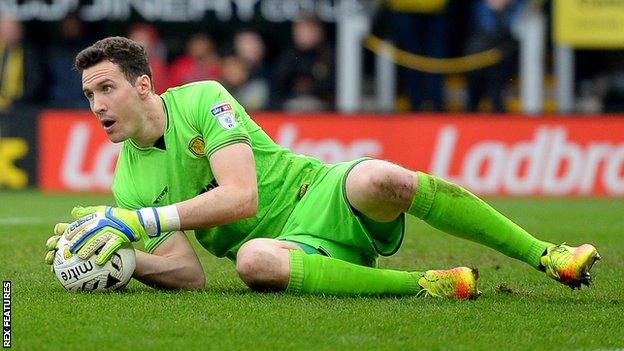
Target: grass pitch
[520,308]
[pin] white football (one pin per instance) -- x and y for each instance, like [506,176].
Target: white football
[76,274]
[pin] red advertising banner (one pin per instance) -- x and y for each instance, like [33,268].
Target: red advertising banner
[74,154]
[490,155]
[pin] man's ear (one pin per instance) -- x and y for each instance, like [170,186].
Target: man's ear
[143,85]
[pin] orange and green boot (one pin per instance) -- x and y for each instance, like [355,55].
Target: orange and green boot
[458,283]
[570,265]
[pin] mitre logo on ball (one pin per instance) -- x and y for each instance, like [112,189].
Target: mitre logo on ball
[76,274]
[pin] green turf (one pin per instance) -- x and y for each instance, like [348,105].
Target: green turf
[519,309]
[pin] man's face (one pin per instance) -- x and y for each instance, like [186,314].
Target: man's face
[10,30]
[307,34]
[113,100]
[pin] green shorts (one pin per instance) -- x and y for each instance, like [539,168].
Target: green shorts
[325,221]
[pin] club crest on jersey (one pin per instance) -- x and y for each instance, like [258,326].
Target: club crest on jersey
[224,114]
[196,146]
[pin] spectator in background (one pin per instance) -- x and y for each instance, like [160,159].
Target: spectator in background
[148,37]
[492,27]
[65,83]
[421,27]
[304,77]
[20,68]
[613,80]
[250,48]
[253,93]
[200,62]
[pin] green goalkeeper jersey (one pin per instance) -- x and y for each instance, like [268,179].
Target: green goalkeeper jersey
[203,117]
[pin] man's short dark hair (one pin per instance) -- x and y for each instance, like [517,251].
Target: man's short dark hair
[129,55]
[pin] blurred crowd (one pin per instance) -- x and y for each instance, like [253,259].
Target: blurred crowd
[299,78]
[300,74]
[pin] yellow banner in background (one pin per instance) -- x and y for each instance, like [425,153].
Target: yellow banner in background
[590,24]
[11,150]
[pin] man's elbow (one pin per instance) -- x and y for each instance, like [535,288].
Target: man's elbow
[197,283]
[194,281]
[250,204]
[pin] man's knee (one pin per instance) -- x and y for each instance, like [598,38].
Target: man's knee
[390,180]
[262,265]
[381,182]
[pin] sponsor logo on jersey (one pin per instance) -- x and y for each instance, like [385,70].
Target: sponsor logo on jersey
[196,146]
[224,114]
[162,194]
[213,184]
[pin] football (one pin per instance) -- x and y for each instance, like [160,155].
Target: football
[76,274]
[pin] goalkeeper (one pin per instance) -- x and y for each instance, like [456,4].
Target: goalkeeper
[193,159]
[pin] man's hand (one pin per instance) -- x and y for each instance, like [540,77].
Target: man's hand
[59,228]
[108,228]
[101,228]
[132,219]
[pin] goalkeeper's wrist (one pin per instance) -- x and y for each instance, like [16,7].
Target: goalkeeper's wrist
[157,220]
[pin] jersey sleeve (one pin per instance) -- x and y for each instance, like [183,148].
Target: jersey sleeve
[222,120]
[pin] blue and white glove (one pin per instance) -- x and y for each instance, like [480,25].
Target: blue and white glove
[106,229]
[59,229]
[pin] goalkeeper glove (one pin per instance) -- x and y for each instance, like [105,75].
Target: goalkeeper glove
[108,228]
[59,228]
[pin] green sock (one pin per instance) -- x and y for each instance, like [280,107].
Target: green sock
[456,211]
[310,273]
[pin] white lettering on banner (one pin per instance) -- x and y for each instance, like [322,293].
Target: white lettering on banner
[614,181]
[73,168]
[41,9]
[560,155]
[532,153]
[547,164]
[183,10]
[482,154]
[169,11]
[109,9]
[328,149]
[245,9]
[443,152]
